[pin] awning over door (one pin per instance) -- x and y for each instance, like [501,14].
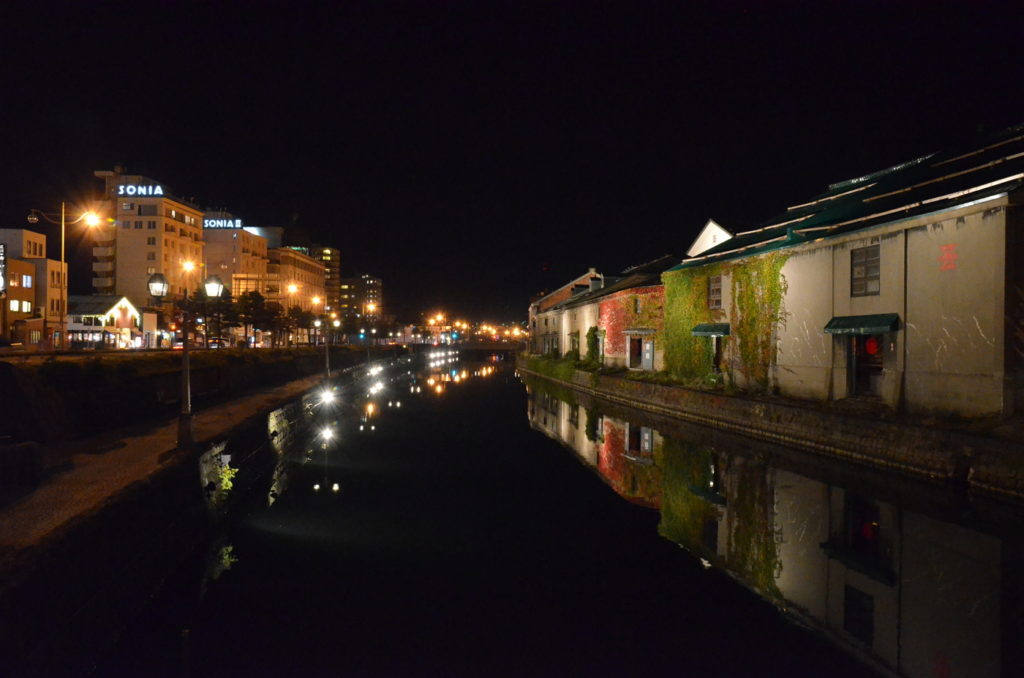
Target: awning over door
[863,324]
[639,331]
[711,330]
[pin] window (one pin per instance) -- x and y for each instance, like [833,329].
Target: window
[864,268]
[151,225]
[14,305]
[126,224]
[151,256]
[138,225]
[151,270]
[26,307]
[636,304]
[151,240]
[715,291]
[859,615]
[26,281]
[147,210]
[127,206]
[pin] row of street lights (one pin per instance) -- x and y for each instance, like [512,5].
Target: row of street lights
[158,288]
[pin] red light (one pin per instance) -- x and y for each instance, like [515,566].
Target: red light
[871,346]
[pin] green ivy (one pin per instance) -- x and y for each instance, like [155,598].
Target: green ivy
[687,357]
[758,289]
[593,344]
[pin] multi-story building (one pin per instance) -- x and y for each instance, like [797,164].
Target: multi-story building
[149,231]
[38,282]
[330,257]
[348,298]
[235,254]
[372,297]
[19,301]
[295,279]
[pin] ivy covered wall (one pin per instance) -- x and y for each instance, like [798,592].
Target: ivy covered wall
[618,313]
[757,289]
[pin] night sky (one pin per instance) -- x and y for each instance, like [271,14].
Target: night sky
[473,154]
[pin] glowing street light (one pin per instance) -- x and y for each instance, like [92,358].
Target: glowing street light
[158,287]
[91,219]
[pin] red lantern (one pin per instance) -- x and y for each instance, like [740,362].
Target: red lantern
[871,346]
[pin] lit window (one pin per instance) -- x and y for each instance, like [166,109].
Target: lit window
[14,305]
[26,307]
[26,281]
[864,271]
[715,291]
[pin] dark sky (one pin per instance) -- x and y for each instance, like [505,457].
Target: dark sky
[473,154]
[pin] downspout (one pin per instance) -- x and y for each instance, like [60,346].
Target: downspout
[901,406]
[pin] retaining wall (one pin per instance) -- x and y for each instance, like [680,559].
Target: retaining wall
[991,465]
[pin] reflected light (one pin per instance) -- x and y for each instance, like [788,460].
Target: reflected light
[327,433]
[335,487]
[316,487]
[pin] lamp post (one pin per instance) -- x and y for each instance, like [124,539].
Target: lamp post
[158,287]
[91,219]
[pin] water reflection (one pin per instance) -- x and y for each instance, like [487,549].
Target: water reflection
[885,573]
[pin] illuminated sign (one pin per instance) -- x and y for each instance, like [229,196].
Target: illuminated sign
[222,223]
[3,268]
[137,189]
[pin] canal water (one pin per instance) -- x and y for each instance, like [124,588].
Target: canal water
[445,519]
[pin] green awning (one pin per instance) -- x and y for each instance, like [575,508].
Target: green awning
[711,330]
[863,324]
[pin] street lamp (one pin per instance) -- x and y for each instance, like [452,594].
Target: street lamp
[158,287]
[91,219]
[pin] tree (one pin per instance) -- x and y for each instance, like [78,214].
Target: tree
[251,310]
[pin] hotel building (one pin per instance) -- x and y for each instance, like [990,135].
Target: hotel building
[149,231]
[236,254]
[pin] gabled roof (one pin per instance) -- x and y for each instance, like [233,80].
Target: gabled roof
[641,275]
[98,305]
[712,235]
[969,172]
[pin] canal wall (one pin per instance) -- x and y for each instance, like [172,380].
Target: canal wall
[82,554]
[981,463]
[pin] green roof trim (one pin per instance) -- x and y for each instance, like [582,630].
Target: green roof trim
[863,324]
[711,330]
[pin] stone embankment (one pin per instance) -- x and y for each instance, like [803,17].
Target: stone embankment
[986,463]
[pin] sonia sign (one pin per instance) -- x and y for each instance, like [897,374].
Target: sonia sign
[3,268]
[222,223]
[138,189]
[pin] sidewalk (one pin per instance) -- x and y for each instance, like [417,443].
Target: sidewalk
[100,472]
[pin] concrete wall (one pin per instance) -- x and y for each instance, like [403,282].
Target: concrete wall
[945,276]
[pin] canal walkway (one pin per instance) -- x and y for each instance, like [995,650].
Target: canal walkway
[91,472]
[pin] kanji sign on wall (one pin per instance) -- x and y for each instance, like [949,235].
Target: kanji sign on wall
[947,260]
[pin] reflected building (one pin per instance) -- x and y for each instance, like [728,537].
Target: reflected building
[907,591]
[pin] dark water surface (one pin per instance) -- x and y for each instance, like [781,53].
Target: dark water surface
[461,542]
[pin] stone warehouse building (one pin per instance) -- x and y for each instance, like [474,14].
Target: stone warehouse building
[905,286]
